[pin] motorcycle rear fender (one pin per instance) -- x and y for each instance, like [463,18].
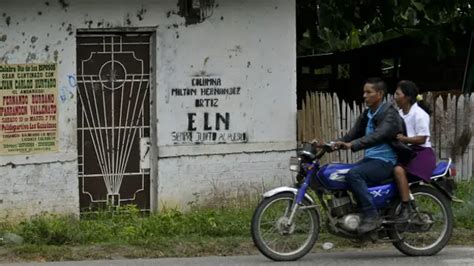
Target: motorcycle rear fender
[443,191]
[279,190]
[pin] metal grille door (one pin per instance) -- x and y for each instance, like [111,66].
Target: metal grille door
[113,111]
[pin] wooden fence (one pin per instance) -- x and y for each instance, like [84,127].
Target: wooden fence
[324,117]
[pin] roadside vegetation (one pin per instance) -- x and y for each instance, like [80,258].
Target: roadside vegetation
[127,233]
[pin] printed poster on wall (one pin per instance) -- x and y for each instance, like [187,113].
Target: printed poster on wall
[28,108]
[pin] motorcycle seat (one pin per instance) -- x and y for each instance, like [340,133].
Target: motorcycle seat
[440,168]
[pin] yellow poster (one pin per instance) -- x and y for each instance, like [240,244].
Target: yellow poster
[28,108]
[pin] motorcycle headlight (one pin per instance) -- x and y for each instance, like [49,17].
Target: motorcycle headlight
[295,164]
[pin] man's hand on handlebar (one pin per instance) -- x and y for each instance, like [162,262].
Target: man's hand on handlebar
[340,145]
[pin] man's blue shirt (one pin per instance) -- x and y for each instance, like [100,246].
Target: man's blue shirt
[382,151]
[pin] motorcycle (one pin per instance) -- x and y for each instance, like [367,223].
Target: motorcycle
[286,223]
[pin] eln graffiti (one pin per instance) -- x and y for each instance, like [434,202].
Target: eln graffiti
[207,127]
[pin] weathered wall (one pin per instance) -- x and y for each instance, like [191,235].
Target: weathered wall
[246,44]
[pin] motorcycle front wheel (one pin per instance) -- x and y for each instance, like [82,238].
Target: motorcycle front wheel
[430,229]
[273,236]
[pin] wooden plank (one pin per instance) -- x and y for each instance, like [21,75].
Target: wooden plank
[343,128]
[448,126]
[330,125]
[471,143]
[337,129]
[352,155]
[428,99]
[330,119]
[348,128]
[457,125]
[303,124]
[466,135]
[343,119]
[308,118]
[322,105]
[439,118]
[357,109]
[299,133]
[317,116]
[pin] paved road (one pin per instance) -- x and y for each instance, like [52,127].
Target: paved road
[449,256]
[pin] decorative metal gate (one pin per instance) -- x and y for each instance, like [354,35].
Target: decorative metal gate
[113,118]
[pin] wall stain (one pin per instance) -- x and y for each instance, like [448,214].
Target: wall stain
[63,4]
[30,57]
[34,39]
[3,38]
[88,23]
[56,56]
[8,20]
[4,58]
[69,29]
[236,49]
[195,15]
[140,13]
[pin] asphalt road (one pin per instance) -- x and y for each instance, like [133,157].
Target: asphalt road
[449,256]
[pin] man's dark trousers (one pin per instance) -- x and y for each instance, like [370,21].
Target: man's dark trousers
[368,172]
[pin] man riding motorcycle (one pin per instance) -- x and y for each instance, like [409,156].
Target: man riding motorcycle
[375,131]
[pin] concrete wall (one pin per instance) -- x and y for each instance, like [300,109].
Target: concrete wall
[248,45]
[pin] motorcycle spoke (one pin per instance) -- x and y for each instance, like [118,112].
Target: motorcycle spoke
[429,225]
[280,237]
[268,232]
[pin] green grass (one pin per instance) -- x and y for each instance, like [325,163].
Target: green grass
[126,233]
[127,226]
[464,212]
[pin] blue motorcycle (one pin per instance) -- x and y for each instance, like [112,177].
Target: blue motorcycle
[286,223]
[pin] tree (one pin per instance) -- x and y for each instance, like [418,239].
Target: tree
[339,25]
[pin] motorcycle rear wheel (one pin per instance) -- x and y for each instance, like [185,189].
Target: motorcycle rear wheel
[435,226]
[274,238]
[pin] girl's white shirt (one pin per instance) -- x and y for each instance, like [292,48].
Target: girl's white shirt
[417,122]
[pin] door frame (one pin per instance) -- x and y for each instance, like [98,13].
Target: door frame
[152,31]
